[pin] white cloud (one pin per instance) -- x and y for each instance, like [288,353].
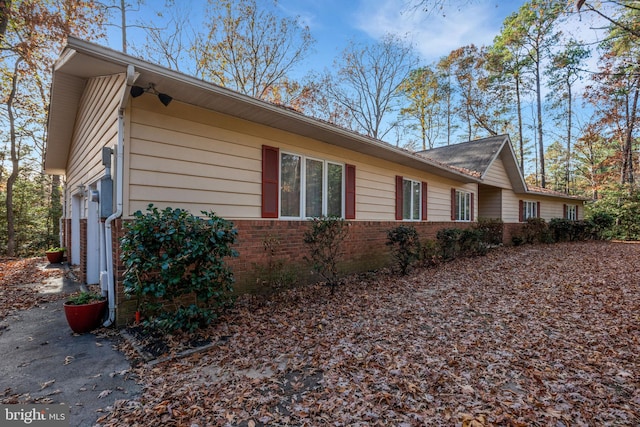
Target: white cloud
[433,35]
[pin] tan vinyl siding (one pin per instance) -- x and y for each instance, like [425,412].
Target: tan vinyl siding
[490,203]
[201,160]
[190,164]
[497,175]
[554,208]
[551,209]
[96,127]
[510,206]
[375,193]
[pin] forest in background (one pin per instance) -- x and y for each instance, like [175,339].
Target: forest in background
[528,84]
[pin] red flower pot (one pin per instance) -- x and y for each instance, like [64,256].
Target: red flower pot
[55,257]
[85,317]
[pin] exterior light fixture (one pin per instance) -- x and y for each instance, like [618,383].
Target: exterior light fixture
[165,99]
[137,91]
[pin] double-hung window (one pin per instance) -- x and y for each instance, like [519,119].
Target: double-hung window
[571,212]
[411,199]
[463,205]
[529,210]
[310,187]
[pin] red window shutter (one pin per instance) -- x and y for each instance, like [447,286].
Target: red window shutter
[538,210]
[399,197]
[564,211]
[453,204]
[472,202]
[424,201]
[350,192]
[520,211]
[270,181]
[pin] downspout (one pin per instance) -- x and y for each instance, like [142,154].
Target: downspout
[119,173]
[63,232]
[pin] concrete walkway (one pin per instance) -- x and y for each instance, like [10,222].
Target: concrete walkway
[43,361]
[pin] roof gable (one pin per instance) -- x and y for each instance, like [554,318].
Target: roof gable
[472,155]
[479,156]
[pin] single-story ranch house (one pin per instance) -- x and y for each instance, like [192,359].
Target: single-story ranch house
[126,133]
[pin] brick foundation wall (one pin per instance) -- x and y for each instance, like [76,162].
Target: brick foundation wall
[365,250]
[509,231]
[82,270]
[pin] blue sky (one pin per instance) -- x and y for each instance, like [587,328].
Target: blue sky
[333,23]
[433,35]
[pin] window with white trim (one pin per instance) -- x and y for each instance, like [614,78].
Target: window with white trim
[411,200]
[310,187]
[463,205]
[529,210]
[572,212]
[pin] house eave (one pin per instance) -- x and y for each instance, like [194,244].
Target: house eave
[83,60]
[555,194]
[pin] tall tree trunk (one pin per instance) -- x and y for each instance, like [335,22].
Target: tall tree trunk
[423,128]
[123,24]
[469,124]
[520,134]
[11,231]
[56,207]
[543,182]
[448,106]
[5,6]
[627,172]
[567,172]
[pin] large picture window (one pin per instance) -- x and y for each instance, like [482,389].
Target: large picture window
[310,187]
[296,186]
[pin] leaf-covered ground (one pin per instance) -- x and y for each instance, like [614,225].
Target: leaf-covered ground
[534,335]
[21,283]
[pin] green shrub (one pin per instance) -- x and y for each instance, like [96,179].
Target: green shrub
[622,204]
[430,253]
[455,242]
[600,224]
[517,239]
[563,230]
[83,298]
[581,230]
[449,242]
[472,242]
[492,229]
[324,240]
[536,230]
[175,267]
[405,246]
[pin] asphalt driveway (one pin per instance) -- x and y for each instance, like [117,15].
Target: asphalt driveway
[42,361]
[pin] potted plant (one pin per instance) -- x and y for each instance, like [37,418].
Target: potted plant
[85,311]
[55,255]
